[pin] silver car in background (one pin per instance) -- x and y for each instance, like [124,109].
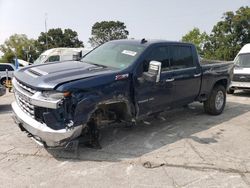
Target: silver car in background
[3,74]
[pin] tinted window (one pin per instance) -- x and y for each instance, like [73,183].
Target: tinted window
[53,58]
[160,54]
[4,67]
[182,57]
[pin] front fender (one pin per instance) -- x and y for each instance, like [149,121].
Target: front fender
[86,101]
[85,107]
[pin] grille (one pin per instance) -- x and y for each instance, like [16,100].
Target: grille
[25,105]
[23,100]
[23,95]
[26,88]
[241,78]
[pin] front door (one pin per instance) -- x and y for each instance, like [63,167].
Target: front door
[151,96]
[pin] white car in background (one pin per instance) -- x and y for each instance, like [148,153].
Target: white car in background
[3,73]
[241,76]
[61,54]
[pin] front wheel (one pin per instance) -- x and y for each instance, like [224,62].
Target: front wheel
[215,104]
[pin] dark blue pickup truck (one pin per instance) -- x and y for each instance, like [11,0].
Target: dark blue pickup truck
[119,81]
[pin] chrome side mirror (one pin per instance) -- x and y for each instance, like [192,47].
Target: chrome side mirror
[154,72]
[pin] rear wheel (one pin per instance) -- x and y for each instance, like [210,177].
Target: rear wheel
[230,91]
[215,104]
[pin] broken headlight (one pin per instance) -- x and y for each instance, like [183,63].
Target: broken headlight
[55,94]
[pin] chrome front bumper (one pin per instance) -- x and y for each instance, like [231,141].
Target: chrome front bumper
[41,132]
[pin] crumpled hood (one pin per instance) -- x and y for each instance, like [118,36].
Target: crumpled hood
[48,76]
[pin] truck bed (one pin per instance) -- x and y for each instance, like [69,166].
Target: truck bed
[212,71]
[208,61]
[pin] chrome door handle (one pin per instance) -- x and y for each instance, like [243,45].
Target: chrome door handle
[197,75]
[169,80]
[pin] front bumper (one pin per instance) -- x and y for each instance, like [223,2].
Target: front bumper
[240,85]
[41,132]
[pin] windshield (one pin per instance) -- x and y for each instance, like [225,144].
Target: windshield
[40,59]
[243,60]
[114,55]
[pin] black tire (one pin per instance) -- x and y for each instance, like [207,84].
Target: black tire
[215,104]
[230,91]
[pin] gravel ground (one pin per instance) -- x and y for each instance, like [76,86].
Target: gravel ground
[181,148]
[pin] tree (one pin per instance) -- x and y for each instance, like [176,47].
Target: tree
[196,37]
[58,38]
[229,35]
[107,30]
[18,45]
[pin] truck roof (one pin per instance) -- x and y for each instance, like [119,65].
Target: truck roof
[56,51]
[146,42]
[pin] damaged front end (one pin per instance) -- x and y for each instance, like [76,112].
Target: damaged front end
[46,116]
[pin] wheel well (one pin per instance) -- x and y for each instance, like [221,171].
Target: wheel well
[4,78]
[222,82]
[120,109]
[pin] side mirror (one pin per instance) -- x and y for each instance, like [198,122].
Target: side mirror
[77,56]
[154,72]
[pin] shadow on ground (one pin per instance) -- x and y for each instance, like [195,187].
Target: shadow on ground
[119,142]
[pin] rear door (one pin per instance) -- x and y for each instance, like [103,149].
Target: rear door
[151,96]
[186,74]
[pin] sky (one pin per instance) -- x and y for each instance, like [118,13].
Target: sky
[151,19]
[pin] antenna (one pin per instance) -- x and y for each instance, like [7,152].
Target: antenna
[46,33]
[143,41]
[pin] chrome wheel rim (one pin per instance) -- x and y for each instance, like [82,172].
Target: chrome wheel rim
[219,100]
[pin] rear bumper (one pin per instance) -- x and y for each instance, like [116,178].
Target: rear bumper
[239,85]
[41,132]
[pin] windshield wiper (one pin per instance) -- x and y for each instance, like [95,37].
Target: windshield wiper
[96,64]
